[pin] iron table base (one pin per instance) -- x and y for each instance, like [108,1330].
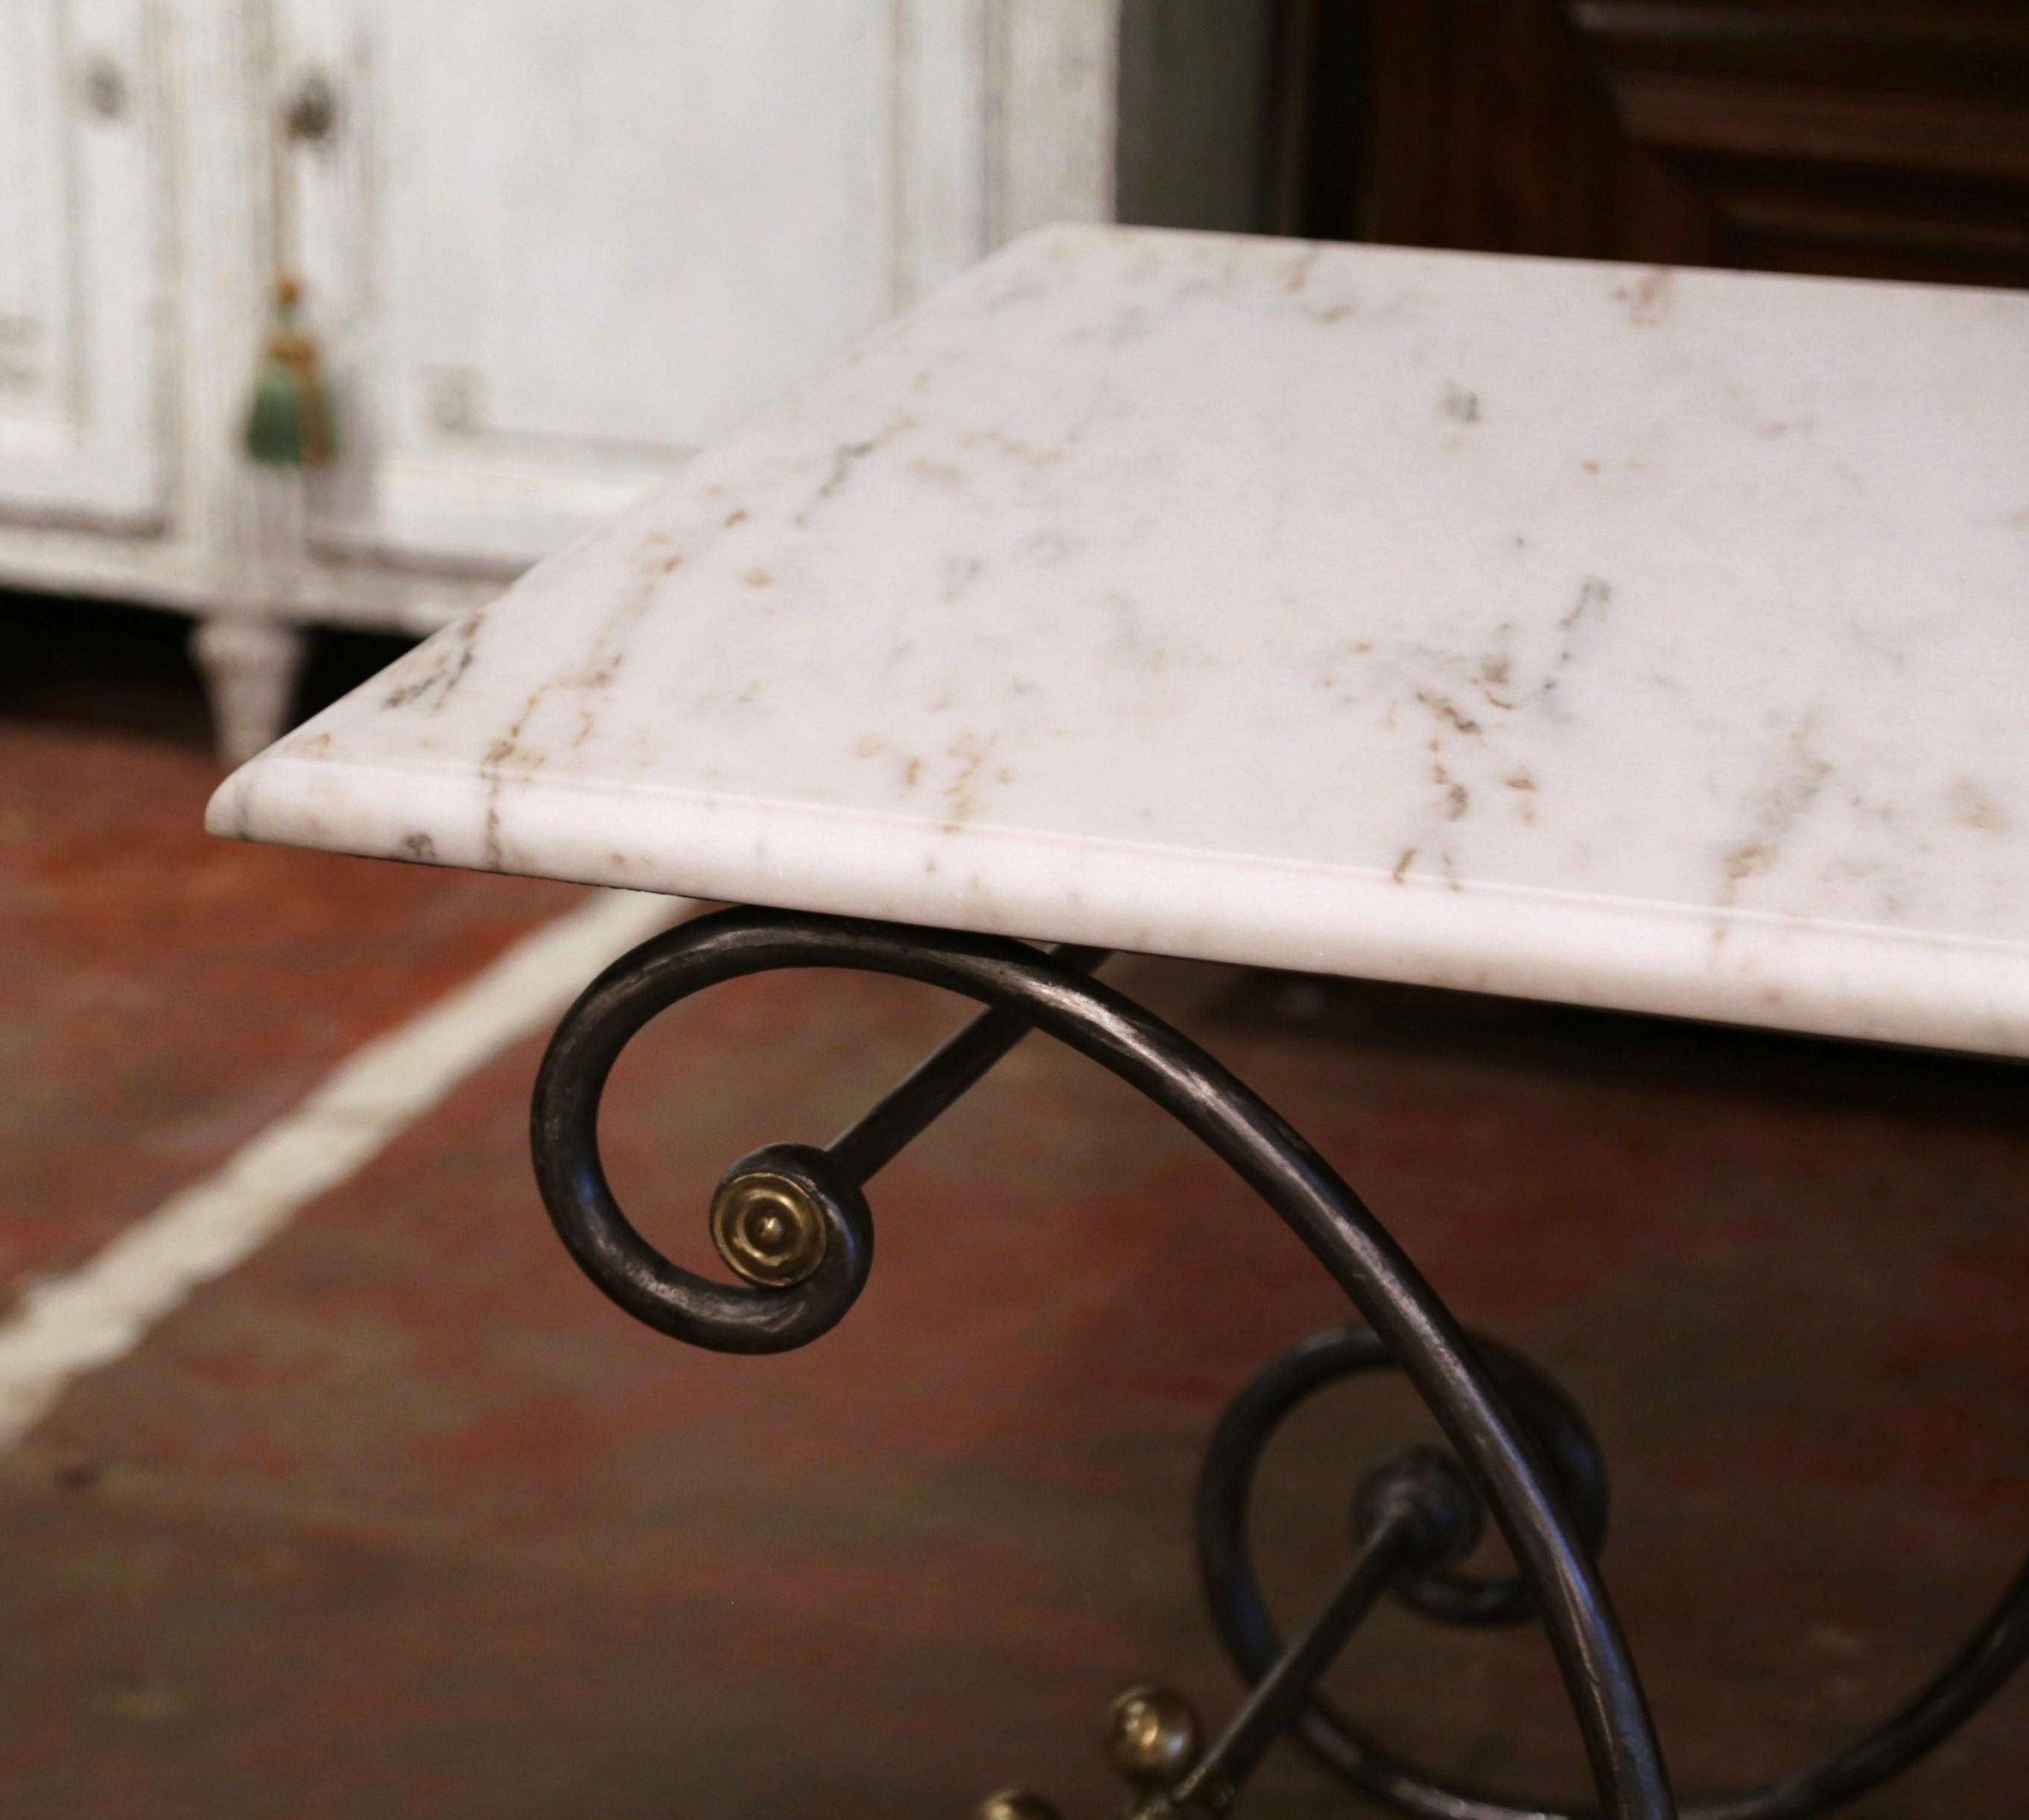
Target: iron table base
[792,1222]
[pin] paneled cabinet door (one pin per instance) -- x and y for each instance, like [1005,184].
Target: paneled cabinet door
[83,240]
[552,249]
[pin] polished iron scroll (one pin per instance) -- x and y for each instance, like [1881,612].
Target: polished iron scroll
[793,1221]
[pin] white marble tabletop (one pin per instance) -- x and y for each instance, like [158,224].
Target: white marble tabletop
[1631,637]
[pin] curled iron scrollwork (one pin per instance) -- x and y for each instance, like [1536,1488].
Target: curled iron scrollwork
[1232,1594]
[793,1222]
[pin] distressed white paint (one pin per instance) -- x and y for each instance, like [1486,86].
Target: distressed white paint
[550,253]
[1628,637]
[82,148]
[67,1325]
[559,252]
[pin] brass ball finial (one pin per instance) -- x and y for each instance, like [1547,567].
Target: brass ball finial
[1153,1735]
[1015,1804]
[768,1229]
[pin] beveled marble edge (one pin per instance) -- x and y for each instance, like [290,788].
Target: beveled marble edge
[1744,967]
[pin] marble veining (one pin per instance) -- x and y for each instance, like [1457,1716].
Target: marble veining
[1643,638]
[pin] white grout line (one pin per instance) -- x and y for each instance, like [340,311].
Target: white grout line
[66,1325]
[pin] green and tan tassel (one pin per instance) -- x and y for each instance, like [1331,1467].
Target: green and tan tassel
[290,423]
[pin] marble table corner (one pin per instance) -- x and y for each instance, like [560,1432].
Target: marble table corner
[1623,636]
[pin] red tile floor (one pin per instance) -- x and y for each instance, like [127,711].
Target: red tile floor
[399,1518]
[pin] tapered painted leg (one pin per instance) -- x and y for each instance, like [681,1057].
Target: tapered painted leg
[250,667]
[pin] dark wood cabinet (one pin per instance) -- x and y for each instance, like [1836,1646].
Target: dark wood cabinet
[1883,137]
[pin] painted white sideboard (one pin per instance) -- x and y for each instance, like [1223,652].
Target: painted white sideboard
[547,251]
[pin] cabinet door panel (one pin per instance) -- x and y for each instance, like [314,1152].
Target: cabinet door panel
[553,250]
[81,233]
